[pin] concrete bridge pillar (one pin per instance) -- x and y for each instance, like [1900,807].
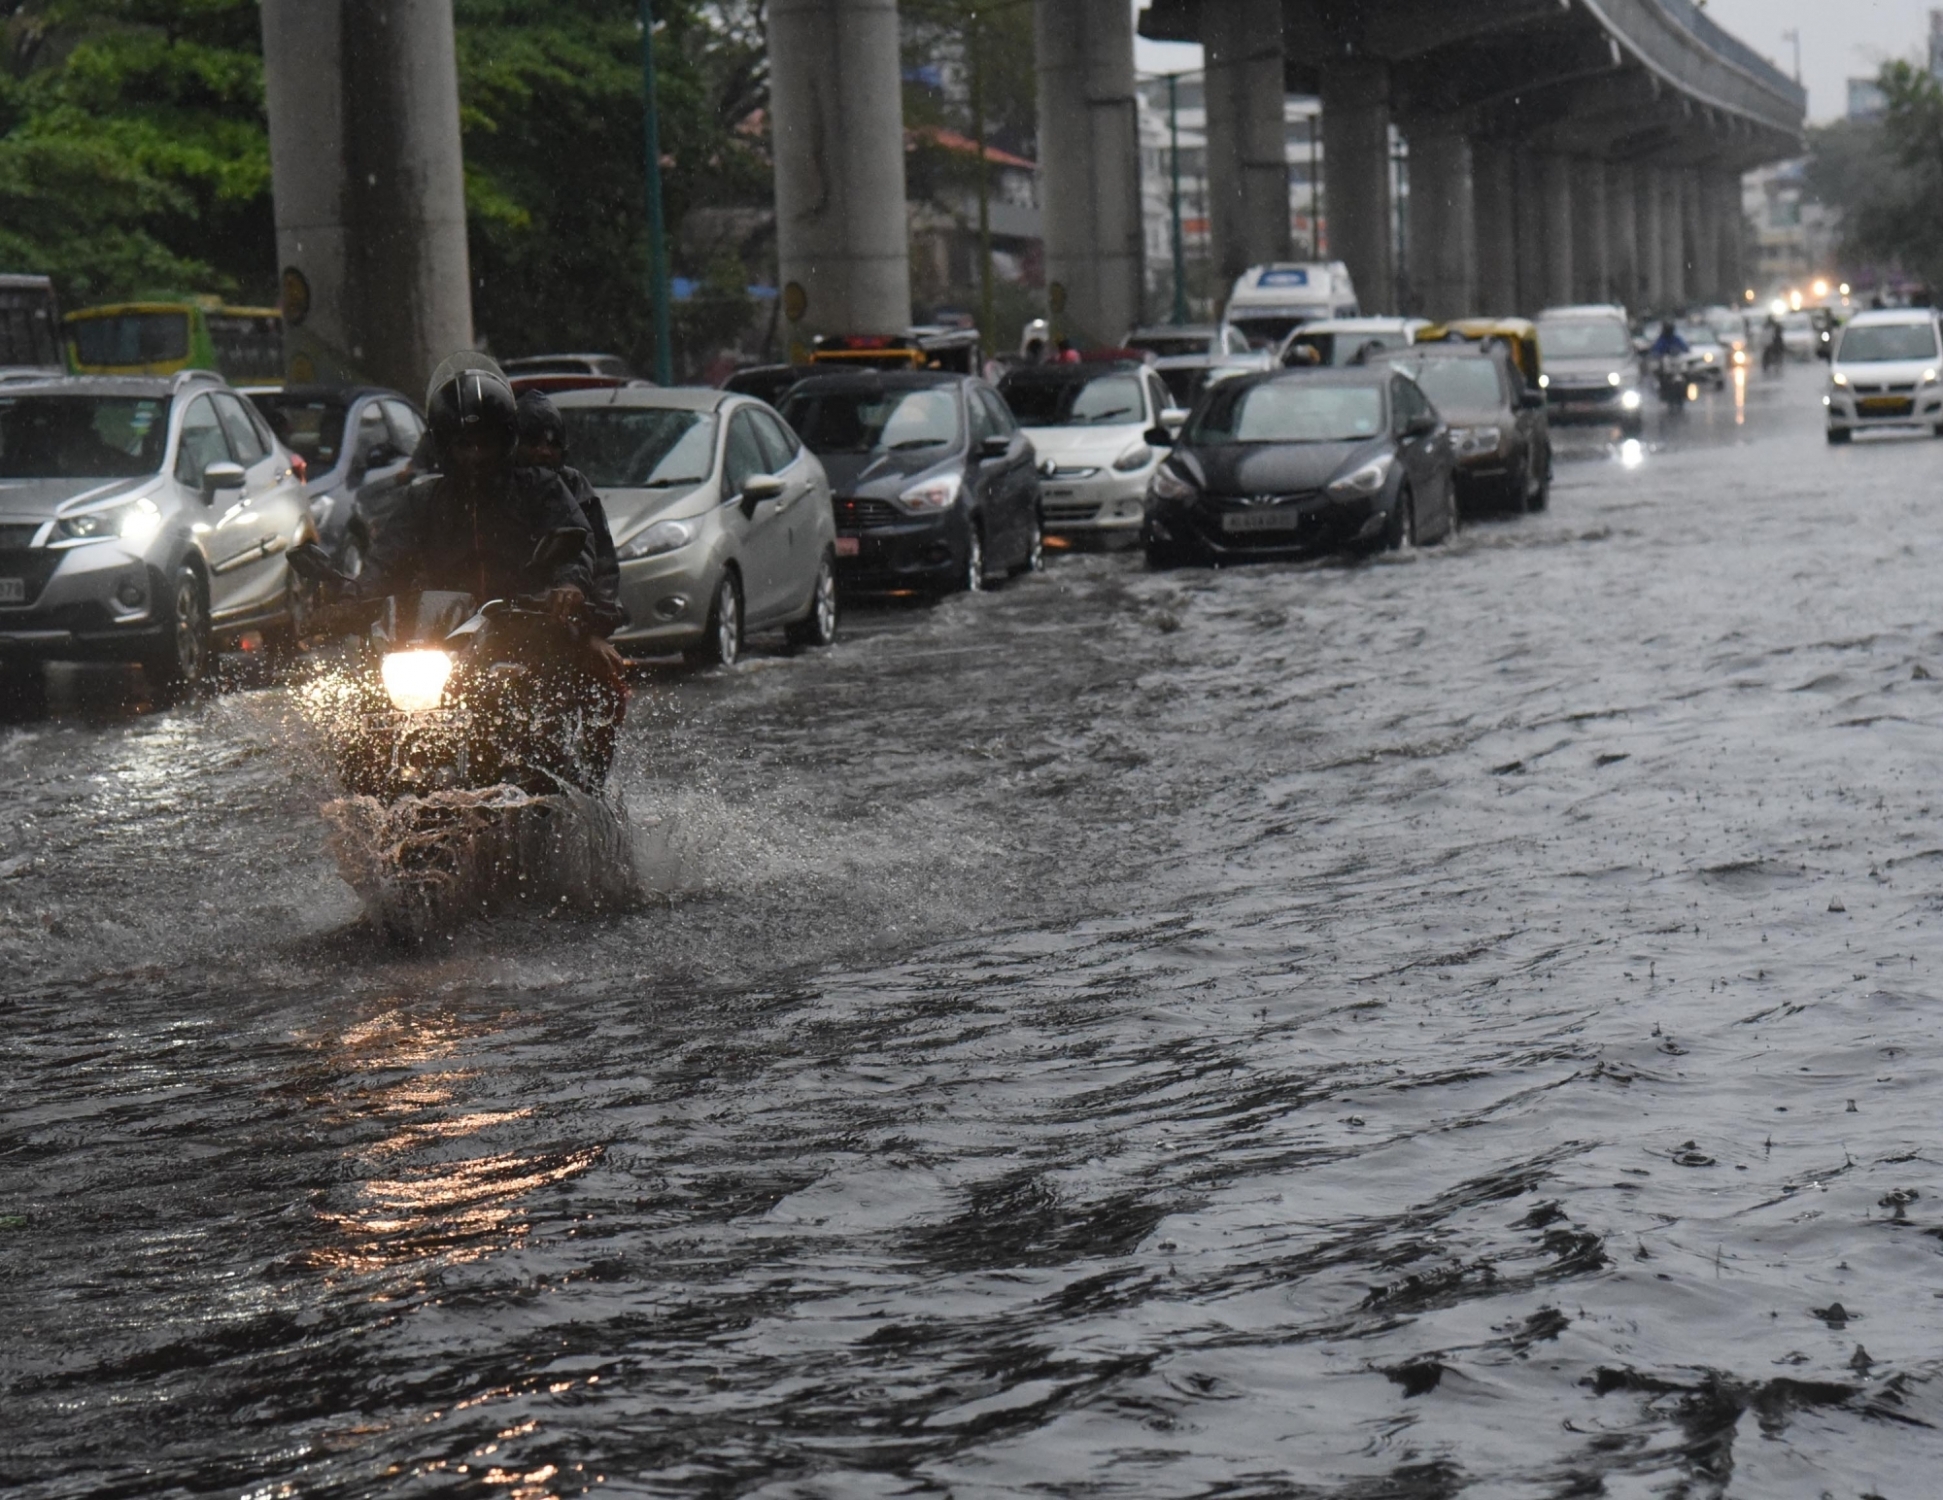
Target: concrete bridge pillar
[1733,265]
[1494,216]
[1529,230]
[1089,154]
[1673,240]
[1356,173]
[1248,174]
[1589,236]
[1622,233]
[1701,259]
[1442,238]
[837,127]
[1556,204]
[1652,263]
[369,201]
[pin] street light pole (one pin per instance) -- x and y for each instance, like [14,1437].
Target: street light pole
[1793,34]
[657,226]
[1180,247]
[987,318]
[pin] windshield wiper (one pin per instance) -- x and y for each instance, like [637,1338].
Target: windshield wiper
[659,484]
[917,443]
[1108,416]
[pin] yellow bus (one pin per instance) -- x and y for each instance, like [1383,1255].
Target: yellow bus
[161,338]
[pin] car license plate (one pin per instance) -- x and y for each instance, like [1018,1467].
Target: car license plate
[13,591]
[847,546]
[1893,405]
[1261,520]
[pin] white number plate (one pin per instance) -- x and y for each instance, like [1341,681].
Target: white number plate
[1261,520]
[13,591]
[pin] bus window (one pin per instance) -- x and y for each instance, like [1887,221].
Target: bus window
[248,343]
[119,341]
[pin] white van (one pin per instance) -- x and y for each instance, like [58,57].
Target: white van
[1270,302]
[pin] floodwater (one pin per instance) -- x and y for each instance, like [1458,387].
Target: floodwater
[1468,1024]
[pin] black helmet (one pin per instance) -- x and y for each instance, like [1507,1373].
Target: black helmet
[539,420]
[470,401]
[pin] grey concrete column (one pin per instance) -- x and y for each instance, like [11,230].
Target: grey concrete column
[1494,197]
[1703,257]
[1652,238]
[1622,233]
[1590,270]
[1673,240]
[369,200]
[1556,204]
[1442,238]
[1356,171]
[1089,164]
[837,126]
[1529,229]
[1248,174]
[1733,265]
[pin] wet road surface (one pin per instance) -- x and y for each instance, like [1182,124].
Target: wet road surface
[1468,1024]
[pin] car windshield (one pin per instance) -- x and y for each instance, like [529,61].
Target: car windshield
[640,447]
[154,338]
[1697,333]
[1874,341]
[1460,384]
[1342,348]
[82,437]
[1288,411]
[1103,400]
[874,421]
[1266,330]
[1171,346]
[314,430]
[1592,338]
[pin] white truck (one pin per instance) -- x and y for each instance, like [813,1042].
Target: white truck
[1270,302]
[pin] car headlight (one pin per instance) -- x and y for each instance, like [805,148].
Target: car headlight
[1838,378]
[1629,401]
[660,538]
[415,680]
[321,507]
[1470,440]
[1544,382]
[1929,377]
[135,522]
[934,494]
[1363,481]
[1613,378]
[1169,485]
[1136,457]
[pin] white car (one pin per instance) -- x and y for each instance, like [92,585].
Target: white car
[1089,427]
[1337,341]
[1884,373]
[1708,358]
[1188,357]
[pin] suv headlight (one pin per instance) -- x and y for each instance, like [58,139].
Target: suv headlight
[133,521]
[934,494]
[1136,457]
[1363,481]
[1168,485]
[1468,440]
[660,538]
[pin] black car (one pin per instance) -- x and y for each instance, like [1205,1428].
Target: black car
[356,443]
[934,484]
[1500,434]
[770,382]
[1296,463]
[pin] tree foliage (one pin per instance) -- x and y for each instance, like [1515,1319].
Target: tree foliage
[1886,176]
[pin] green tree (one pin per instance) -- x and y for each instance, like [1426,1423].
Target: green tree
[1886,177]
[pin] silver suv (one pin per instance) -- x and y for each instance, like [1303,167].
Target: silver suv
[142,519]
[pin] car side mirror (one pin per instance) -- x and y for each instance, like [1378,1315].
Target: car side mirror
[1420,426]
[995,446]
[1173,418]
[558,546]
[760,487]
[223,476]
[1158,437]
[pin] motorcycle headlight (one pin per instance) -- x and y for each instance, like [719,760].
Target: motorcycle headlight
[1136,457]
[1364,481]
[415,680]
[134,521]
[660,538]
[1630,401]
[1169,485]
[934,494]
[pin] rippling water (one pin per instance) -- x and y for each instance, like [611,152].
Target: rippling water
[1467,1024]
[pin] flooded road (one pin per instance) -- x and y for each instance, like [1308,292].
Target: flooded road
[1467,1024]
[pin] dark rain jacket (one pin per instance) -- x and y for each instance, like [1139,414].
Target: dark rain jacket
[606,563]
[441,537]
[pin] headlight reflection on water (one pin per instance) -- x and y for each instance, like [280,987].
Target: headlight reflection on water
[1632,453]
[415,680]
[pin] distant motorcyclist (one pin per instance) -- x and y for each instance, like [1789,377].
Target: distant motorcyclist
[1775,352]
[543,445]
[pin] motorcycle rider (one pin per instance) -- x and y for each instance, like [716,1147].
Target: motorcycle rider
[543,445]
[1668,343]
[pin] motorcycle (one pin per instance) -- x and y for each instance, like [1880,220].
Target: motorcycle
[449,694]
[1774,355]
[1674,380]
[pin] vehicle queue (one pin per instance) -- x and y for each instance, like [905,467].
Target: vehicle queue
[149,505]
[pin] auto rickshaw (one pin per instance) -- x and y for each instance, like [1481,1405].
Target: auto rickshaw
[1518,335]
[923,348]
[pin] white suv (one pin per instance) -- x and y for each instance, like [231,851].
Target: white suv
[1885,373]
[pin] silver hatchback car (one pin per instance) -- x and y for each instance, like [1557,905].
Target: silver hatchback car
[720,515]
[142,519]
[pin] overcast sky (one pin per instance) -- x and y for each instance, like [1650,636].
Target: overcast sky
[1840,39]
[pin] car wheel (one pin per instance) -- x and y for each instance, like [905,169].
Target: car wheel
[1402,531]
[350,561]
[1035,557]
[181,661]
[283,641]
[721,642]
[1838,435]
[819,626]
[973,581]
